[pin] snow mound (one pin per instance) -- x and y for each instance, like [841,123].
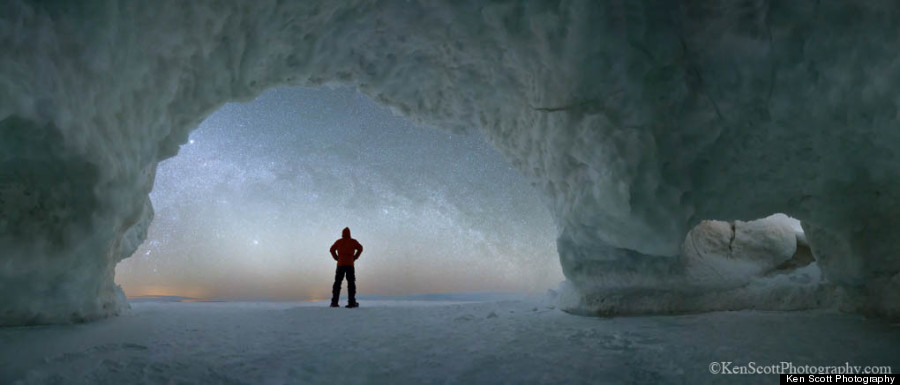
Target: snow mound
[733,253]
[634,119]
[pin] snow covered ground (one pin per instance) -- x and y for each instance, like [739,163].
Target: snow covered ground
[430,339]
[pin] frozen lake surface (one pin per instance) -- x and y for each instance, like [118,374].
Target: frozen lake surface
[430,339]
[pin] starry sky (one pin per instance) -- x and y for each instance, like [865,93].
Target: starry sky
[250,206]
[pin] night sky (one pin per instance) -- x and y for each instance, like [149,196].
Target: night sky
[251,204]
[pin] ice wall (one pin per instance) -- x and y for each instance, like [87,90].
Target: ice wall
[635,119]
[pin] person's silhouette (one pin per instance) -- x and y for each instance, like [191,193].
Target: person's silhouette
[345,251]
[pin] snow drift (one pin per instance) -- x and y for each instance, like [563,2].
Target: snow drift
[635,119]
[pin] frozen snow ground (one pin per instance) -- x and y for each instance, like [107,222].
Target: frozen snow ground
[429,340]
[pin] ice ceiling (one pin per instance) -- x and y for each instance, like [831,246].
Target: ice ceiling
[635,119]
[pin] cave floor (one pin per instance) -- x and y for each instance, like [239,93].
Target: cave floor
[392,341]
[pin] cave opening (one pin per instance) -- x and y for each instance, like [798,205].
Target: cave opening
[252,202]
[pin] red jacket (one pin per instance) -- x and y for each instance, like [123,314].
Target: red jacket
[346,250]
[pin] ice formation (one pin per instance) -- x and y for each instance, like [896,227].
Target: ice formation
[635,120]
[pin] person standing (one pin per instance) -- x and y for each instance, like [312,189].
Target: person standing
[345,251]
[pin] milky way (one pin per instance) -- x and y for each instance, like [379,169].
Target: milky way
[251,204]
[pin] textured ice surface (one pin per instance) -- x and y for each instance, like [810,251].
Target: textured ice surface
[635,119]
[520,341]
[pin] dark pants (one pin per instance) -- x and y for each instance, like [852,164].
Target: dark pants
[351,283]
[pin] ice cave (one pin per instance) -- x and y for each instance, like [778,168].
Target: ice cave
[657,132]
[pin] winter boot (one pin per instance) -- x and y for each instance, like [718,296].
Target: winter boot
[352,304]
